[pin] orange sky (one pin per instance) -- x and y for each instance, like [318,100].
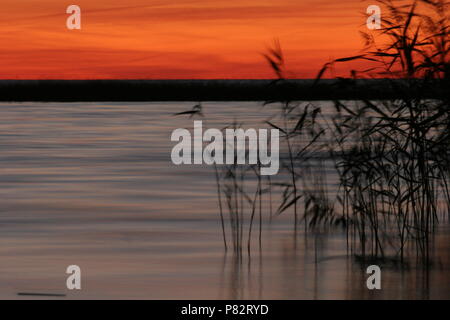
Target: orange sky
[183,39]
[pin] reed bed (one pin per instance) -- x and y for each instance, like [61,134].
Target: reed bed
[392,157]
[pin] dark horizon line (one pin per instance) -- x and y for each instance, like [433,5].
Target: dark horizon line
[209,79]
[216,90]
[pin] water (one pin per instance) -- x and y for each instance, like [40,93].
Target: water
[93,185]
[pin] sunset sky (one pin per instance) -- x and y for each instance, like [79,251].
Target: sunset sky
[183,39]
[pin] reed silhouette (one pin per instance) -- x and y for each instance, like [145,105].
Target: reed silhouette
[391,156]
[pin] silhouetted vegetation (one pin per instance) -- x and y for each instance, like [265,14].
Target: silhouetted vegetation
[392,155]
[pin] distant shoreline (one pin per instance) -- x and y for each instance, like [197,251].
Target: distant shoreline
[210,90]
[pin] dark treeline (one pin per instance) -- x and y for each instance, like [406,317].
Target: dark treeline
[208,90]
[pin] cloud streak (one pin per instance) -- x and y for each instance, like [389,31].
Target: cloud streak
[187,39]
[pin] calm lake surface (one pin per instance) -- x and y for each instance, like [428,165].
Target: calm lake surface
[93,185]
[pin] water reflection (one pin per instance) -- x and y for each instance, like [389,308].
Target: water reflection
[93,185]
[317,267]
